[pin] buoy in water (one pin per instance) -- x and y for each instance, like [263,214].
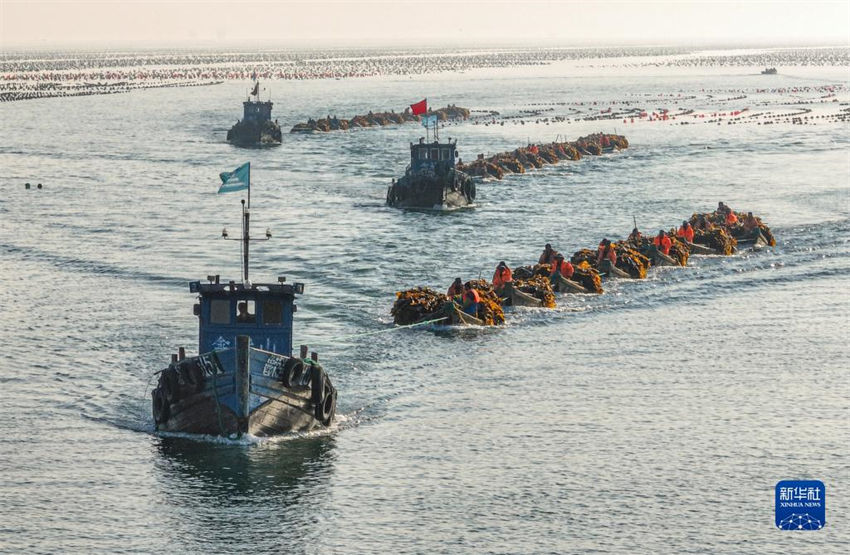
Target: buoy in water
[26,185]
[39,185]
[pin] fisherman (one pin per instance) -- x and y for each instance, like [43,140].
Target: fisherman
[564,267]
[471,300]
[750,222]
[731,218]
[721,208]
[548,256]
[634,238]
[502,276]
[243,316]
[686,232]
[455,289]
[605,251]
[662,242]
[605,141]
[703,223]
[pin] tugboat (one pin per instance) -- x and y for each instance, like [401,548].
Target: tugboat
[246,381]
[432,181]
[256,127]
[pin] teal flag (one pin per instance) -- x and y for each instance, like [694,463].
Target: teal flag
[427,121]
[237,180]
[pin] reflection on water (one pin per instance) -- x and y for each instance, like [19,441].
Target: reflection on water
[272,487]
[227,468]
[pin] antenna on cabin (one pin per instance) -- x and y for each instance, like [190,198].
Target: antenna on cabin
[246,235]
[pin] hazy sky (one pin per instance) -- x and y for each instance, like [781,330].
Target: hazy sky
[210,23]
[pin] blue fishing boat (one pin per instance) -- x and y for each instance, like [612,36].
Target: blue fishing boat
[432,180]
[256,127]
[246,379]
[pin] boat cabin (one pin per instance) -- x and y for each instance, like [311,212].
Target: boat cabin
[256,111]
[261,311]
[432,156]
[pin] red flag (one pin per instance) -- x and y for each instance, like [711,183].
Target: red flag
[420,107]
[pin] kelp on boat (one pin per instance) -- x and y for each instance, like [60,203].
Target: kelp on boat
[538,287]
[536,156]
[376,119]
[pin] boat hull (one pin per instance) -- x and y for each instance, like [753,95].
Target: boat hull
[514,297]
[457,317]
[432,192]
[564,285]
[251,134]
[211,394]
[697,248]
[660,259]
[754,240]
[612,271]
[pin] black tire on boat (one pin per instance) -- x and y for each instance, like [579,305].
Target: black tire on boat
[170,384]
[161,408]
[292,372]
[318,385]
[197,376]
[192,374]
[327,408]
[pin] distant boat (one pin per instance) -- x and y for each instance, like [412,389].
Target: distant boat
[256,127]
[432,181]
[769,71]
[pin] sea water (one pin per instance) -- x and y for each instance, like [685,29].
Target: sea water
[657,417]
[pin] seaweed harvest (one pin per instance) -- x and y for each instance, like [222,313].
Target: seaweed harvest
[377,119]
[536,156]
[628,258]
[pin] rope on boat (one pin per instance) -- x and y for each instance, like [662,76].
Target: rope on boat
[356,335]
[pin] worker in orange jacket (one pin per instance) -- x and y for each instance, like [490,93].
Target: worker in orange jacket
[564,267]
[605,251]
[686,232]
[471,300]
[502,276]
[662,242]
[731,218]
[455,289]
[548,256]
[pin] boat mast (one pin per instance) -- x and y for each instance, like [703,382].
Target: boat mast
[246,238]
[246,232]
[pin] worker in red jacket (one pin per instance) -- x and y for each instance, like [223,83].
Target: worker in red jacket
[548,256]
[686,232]
[605,251]
[455,289]
[471,300]
[662,242]
[564,267]
[502,276]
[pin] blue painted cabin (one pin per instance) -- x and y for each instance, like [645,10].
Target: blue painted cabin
[262,311]
[436,156]
[256,111]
